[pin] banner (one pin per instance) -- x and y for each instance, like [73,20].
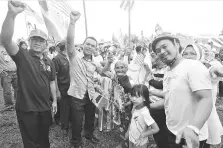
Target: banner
[30,12]
[56,16]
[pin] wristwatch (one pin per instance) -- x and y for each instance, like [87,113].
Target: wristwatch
[195,129]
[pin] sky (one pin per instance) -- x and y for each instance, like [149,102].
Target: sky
[105,17]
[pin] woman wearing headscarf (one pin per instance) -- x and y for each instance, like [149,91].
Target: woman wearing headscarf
[215,129]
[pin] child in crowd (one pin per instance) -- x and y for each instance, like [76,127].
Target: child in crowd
[142,124]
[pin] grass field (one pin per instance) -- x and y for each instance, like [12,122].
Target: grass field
[10,136]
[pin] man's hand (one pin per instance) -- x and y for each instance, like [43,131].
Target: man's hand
[192,140]
[54,107]
[15,7]
[216,71]
[74,16]
[58,95]
[3,73]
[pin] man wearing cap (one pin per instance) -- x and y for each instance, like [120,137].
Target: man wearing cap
[81,87]
[36,82]
[187,93]
[61,63]
[8,77]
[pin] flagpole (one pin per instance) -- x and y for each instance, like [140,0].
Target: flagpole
[129,23]
[85,17]
[27,30]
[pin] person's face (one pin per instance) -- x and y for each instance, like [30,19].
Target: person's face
[136,100]
[24,46]
[221,55]
[190,53]
[38,44]
[89,47]
[206,52]
[166,50]
[120,69]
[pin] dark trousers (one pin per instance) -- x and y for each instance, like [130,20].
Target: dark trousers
[161,137]
[34,128]
[172,143]
[79,109]
[65,109]
[9,80]
[220,88]
[57,115]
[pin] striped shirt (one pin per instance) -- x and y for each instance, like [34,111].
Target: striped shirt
[6,63]
[81,77]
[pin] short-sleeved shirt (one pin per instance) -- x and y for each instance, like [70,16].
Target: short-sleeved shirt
[34,77]
[6,63]
[81,77]
[180,84]
[61,64]
[141,119]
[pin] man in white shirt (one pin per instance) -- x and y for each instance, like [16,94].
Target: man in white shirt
[187,93]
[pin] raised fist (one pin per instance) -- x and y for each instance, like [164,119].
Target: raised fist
[74,16]
[16,7]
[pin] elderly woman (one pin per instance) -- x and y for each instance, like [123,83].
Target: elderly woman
[121,88]
[215,130]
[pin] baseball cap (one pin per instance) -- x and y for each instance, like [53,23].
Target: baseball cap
[61,43]
[38,33]
[164,35]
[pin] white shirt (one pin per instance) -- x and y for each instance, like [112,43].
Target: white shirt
[179,84]
[141,119]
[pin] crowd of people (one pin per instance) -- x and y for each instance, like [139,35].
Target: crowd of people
[161,90]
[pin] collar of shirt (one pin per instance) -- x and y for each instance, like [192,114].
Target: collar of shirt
[34,55]
[88,60]
[62,54]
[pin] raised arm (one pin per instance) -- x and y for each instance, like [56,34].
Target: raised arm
[14,8]
[74,16]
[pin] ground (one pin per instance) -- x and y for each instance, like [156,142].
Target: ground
[10,136]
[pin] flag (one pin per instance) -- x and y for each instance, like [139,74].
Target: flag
[30,12]
[158,29]
[217,42]
[131,4]
[127,4]
[61,7]
[56,17]
[122,4]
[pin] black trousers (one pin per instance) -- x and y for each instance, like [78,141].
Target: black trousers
[220,88]
[161,137]
[65,109]
[81,108]
[34,128]
[172,143]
